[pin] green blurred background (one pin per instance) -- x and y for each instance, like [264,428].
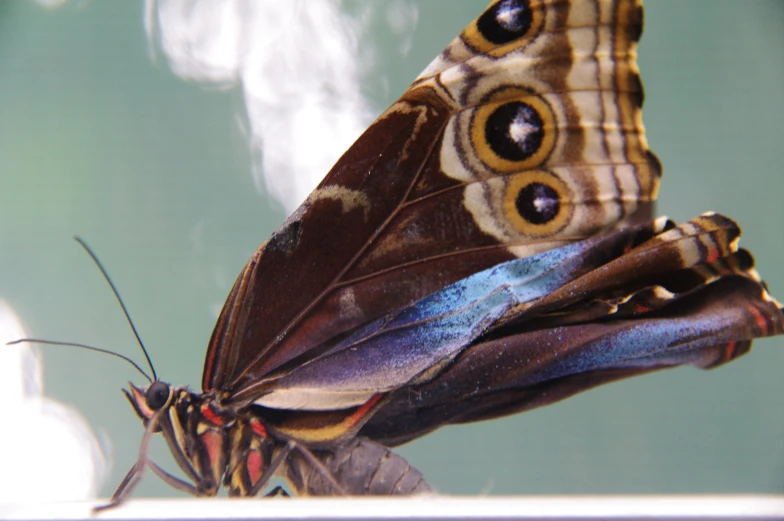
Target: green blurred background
[97,139]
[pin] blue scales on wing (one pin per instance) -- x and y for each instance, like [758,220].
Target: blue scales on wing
[605,303]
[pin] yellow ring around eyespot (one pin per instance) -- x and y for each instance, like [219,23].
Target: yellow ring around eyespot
[496,100]
[516,183]
[477,41]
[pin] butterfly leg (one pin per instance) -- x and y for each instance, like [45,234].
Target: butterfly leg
[318,465]
[277,491]
[270,471]
[282,456]
[173,481]
[137,471]
[124,489]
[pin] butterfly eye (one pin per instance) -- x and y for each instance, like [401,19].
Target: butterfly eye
[157,395]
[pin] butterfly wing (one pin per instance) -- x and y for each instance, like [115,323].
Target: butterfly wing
[508,375]
[524,135]
[537,330]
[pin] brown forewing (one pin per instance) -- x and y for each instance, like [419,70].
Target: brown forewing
[388,226]
[316,246]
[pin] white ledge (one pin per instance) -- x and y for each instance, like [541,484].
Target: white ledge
[725,507]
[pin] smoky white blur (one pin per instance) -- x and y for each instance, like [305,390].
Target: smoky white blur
[46,436]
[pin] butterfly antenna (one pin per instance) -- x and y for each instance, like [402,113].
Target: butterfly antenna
[122,305]
[83,346]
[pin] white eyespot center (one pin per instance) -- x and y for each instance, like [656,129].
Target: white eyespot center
[508,15]
[520,129]
[545,205]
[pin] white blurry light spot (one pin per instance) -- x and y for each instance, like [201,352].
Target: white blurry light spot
[50,4]
[200,39]
[47,443]
[296,62]
[402,18]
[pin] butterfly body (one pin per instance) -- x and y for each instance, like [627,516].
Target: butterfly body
[484,248]
[221,446]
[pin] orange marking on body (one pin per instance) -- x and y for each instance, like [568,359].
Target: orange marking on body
[211,416]
[363,409]
[257,427]
[729,350]
[713,255]
[334,430]
[639,308]
[255,465]
[760,319]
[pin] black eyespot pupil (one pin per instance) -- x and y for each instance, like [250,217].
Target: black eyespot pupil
[514,131]
[157,395]
[538,203]
[505,21]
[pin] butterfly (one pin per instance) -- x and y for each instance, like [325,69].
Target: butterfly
[485,247]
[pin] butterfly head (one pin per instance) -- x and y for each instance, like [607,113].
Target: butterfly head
[147,401]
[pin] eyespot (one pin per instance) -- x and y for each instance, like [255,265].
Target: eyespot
[513,130]
[538,203]
[505,21]
[157,395]
[502,23]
